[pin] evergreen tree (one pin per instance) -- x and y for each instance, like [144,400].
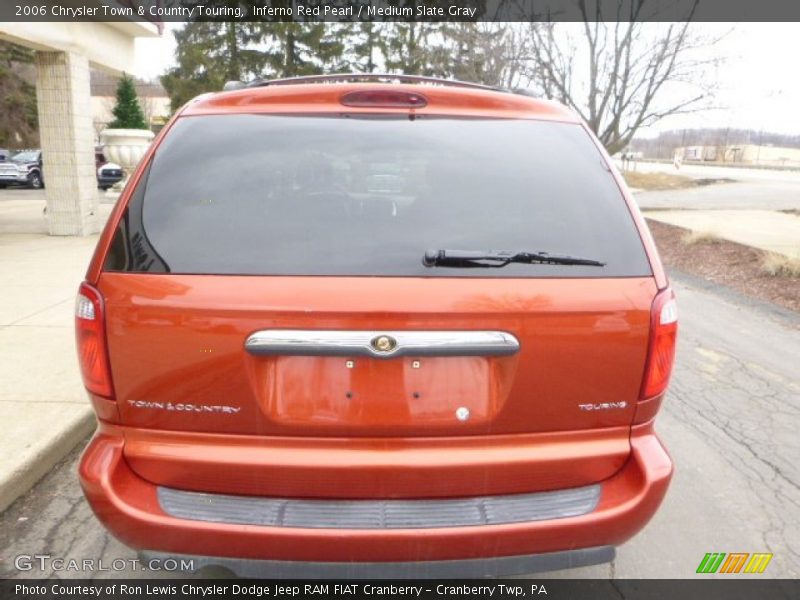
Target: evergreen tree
[127,112]
[487,53]
[414,48]
[297,49]
[209,54]
[364,45]
[19,122]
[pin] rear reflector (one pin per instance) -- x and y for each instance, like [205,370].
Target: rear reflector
[384,99]
[661,350]
[90,333]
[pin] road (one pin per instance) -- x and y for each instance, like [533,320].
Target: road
[763,189]
[710,170]
[774,195]
[731,423]
[752,210]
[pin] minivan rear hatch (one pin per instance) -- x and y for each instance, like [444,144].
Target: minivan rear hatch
[250,290]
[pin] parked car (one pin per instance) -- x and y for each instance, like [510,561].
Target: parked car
[298,358]
[108,173]
[23,168]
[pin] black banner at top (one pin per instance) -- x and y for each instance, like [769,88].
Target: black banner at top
[159,11]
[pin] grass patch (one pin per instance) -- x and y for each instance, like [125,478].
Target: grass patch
[700,236]
[657,181]
[779,265]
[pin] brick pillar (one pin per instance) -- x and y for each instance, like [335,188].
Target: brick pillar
[67,139]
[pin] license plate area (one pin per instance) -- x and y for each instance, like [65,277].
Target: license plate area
[363,392]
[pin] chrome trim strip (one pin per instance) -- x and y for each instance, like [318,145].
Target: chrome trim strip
[379,514]
[307,342]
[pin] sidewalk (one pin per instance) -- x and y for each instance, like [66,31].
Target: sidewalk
[768,230]
[43,405]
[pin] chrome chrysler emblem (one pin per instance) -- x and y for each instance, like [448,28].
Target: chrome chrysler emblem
[384,343]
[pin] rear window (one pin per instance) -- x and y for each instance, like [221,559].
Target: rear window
[346,195]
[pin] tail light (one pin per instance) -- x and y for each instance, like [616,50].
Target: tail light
[661,350]
[384,98]
[90,331]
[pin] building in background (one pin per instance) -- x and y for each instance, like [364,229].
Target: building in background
[722,145]
[765,155]
[697,153]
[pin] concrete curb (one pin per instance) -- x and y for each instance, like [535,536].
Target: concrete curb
[43,456]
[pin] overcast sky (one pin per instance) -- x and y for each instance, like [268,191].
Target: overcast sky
[758,83]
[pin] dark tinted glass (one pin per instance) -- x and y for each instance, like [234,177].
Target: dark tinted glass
[288,195]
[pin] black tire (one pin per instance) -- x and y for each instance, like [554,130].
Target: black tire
[35,180]
[2,186]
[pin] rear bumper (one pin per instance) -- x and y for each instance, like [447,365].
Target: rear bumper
[130,508]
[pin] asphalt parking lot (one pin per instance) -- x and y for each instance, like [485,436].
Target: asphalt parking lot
[730,423]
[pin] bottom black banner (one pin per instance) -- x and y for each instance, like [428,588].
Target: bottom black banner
[212,589]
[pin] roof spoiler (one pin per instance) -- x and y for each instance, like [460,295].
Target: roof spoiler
[367,77]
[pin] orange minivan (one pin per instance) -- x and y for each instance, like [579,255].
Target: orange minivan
[375,326]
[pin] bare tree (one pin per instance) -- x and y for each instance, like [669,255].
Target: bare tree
[621,76]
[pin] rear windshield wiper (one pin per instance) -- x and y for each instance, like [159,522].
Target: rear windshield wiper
[496,259]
